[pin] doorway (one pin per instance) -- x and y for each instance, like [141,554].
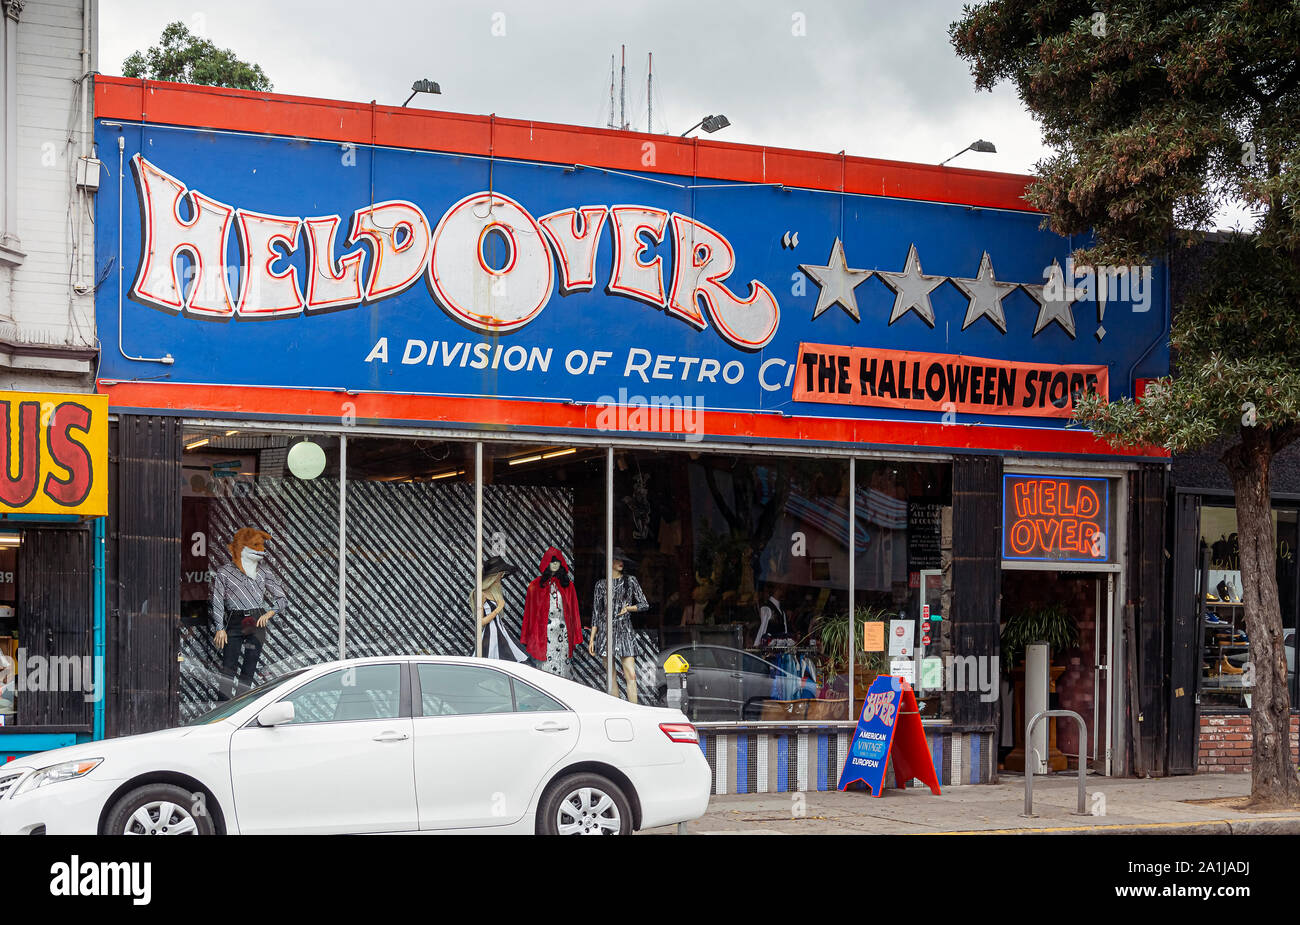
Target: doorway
[1080,606]
[48,673]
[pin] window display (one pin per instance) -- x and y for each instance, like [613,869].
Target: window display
[737,563]
[741,563]
[259,520]
[544,508]
[496,641]
[1226,674]
[625,598]
[903,558]
[409,534]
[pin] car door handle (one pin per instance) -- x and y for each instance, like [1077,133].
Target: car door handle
[391,737]
[551,727]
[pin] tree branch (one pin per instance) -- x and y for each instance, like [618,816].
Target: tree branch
[1282,437]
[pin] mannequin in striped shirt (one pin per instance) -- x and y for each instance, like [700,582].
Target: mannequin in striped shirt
[244,598]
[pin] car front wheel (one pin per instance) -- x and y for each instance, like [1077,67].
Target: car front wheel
[584,804]
[160,809]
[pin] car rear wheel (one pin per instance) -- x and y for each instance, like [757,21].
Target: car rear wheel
[584,804]
[160,809]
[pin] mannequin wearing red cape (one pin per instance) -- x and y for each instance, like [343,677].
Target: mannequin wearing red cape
[537,606]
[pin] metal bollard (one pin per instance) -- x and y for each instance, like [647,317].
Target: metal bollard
[1083,751]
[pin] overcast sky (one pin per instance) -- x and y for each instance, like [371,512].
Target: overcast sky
[878,79]
[874,78]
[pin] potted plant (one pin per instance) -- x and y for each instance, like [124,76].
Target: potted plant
[832,633]
[1052,624]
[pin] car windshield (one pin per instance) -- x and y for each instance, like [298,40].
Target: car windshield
[231,707]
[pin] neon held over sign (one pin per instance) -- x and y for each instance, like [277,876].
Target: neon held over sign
[1055,518]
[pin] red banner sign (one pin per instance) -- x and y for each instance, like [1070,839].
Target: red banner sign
[941,382]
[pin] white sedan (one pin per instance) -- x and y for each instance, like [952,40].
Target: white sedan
[403,744]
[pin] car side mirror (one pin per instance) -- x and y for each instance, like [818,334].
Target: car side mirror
[276,714]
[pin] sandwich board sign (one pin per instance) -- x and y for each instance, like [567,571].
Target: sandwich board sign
[889,728]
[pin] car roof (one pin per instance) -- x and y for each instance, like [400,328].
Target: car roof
[381,659]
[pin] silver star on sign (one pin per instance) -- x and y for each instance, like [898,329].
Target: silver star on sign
[837,282]
[1054,300]
[986,295]
[912,289]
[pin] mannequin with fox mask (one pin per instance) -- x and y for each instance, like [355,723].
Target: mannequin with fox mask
[244,598]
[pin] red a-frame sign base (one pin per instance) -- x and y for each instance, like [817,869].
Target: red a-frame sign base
[889,728]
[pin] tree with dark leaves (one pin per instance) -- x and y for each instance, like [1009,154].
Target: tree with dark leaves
[1159,114]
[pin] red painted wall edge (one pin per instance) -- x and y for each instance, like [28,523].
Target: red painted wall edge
[225,109]
[506,413]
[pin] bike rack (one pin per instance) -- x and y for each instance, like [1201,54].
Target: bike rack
[1029,765]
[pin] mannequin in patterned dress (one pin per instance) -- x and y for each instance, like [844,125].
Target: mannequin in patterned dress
[628,599]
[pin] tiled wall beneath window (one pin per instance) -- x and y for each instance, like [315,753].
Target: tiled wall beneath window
[778,760]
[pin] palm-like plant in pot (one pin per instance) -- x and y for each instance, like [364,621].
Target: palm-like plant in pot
[832,634]
[1051,623]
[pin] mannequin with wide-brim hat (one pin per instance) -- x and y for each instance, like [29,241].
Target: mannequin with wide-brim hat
[497,639]
[628,599]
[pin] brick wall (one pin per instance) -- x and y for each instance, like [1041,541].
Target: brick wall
[1226,742]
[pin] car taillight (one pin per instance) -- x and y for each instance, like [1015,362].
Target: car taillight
[681,732]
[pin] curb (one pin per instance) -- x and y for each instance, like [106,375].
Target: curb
[1273,825]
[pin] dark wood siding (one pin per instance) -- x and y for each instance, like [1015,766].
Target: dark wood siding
[1146,597]
[55,624]
[976,573]
[144,574]
[1185,636]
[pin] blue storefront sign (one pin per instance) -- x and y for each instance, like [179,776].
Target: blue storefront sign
[253,259]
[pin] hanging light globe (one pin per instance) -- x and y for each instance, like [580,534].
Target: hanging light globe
[306,460]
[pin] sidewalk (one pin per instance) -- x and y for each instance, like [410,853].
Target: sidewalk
[1164,806]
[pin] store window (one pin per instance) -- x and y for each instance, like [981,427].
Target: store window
[46,607]
[737,563]
[259,559]
[1226,646]
[903,558]
[410,547]
[544,531]
[742,562]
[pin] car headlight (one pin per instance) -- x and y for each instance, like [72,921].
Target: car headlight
[68,770]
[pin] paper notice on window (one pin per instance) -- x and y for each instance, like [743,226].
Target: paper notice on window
[905,669]
[902,633]
[873,637]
